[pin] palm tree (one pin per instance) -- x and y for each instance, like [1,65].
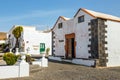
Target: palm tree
[17,33]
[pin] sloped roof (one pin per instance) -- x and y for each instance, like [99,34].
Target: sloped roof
[99,15]
[64,18]
[3,36]
[93,14]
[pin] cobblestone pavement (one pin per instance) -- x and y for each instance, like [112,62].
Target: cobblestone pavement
[66,71]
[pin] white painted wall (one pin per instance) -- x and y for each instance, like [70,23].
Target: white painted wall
[84,62]
[9,72]
[32,39]
[113,39]
[59,35]
[20,70]
[82,38]
[55,58]
[75,61]
[81,35]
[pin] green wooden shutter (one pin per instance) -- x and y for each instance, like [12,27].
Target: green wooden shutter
[42,47]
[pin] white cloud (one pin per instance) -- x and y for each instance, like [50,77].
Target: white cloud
[42,27]
[32,14]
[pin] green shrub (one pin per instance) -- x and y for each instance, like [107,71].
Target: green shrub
[10,58]
[28,59]
[47,51]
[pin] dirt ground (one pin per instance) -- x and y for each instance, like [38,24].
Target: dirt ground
[67,71]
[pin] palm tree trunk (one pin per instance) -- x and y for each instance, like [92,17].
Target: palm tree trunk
[17,43]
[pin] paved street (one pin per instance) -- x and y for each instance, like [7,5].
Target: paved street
[66,71]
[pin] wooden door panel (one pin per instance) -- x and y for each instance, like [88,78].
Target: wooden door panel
[69,45]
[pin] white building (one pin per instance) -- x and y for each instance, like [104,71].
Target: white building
[89,38]
[31,39]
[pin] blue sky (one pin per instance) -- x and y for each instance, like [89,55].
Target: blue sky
[44,13]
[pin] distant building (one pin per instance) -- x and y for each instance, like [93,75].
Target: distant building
[30,39]
[3,37]
[89,38]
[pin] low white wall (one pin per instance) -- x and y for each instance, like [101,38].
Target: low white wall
[9,72]
[84,62]
[43,62]
[75,61]
[21,70]
[55,58]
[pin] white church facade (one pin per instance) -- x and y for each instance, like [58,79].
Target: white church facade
[89,38]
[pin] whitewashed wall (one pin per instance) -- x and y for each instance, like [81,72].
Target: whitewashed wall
[81,35]
[113,45]
[15,71]
[82,38]
[32,39]
[59,35]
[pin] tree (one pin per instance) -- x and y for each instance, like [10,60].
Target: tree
[17,33]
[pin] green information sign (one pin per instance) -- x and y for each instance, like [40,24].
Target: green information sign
[42,47]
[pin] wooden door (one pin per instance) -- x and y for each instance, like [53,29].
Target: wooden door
[70,45]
